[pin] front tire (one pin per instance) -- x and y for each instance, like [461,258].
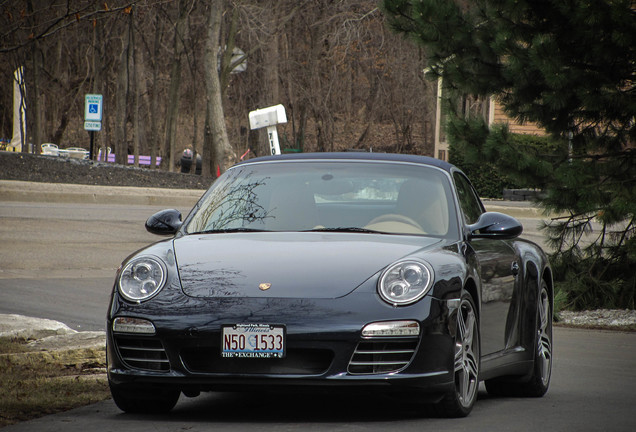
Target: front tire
[142,400]
[460,402]
[539,381]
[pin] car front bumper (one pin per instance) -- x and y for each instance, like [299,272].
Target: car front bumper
[322,338]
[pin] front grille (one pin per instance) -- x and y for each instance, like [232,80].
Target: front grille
[295,362]
[376,357]
[143,353]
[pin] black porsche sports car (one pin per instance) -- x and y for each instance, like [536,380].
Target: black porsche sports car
[333,270]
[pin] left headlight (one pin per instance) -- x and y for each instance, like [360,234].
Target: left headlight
[142,278]
[405,282]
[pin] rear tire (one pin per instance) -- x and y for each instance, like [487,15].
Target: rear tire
[144,400]
[460,402]
[539,381]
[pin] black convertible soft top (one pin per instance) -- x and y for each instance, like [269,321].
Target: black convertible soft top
[359,156]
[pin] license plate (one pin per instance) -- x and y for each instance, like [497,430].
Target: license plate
[253,341]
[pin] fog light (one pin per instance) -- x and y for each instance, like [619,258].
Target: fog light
[133,325]
[391,328]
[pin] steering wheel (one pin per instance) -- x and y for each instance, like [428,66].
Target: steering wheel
[394,217]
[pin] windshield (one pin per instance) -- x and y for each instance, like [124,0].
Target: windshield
[329,196]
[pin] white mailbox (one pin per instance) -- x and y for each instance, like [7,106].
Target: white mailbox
[268,118]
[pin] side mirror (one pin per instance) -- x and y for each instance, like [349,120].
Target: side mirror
[495,225]
[165,222]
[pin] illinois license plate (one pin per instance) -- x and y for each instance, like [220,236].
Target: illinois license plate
[253,341]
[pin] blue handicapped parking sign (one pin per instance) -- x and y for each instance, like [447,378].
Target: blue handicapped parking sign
[93,108]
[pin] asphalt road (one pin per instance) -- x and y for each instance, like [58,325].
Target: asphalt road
[592,390]
[58,262]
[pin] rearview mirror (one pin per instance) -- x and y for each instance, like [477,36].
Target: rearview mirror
[165,222]
[495,225]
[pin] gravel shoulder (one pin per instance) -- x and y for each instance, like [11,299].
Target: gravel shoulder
[604,319]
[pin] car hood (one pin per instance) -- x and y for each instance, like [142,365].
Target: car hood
[288,265]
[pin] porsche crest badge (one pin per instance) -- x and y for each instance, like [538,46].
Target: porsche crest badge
[264,286]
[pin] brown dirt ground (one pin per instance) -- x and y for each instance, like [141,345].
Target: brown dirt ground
[52,169]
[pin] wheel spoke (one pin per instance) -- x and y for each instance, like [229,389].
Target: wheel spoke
[464,386]
[544,341]
[466,354]
[461,326]
[459,358]
[544,312]
[470,328]
[471,365]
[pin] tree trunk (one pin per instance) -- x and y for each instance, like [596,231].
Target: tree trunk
[96,87]
[195,112]
[132,55]
[226,58]
[270,65]
[36,59]
[175,83]
[120,146]
[155,139]
[37,115]
[215,142]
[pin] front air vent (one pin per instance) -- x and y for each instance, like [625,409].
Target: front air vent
[378,357]
[143,353]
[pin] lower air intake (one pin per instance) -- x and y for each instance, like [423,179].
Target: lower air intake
[143,353]
[378,357]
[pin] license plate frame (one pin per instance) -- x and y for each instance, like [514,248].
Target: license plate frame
[260,341]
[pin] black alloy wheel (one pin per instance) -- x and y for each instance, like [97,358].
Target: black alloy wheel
[537,384]
[467,361]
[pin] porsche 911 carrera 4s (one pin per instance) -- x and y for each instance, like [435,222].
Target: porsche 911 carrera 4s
[337,271]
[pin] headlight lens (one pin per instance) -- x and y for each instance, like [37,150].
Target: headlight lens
[405,282]
[142,278]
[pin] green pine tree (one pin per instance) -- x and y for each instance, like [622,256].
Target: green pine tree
[570,67]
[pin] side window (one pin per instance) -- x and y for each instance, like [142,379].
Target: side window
[468,200]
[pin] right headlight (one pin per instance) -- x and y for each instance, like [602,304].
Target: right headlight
[142,278]
[405,282]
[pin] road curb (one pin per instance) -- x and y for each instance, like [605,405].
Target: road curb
[21,191]
[514,211]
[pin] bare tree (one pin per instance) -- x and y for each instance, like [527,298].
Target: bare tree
[154,106]
[175,82]
[215,142]
[343,78]
[137,129]
[121,146]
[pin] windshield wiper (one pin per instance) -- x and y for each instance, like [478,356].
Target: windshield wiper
[346,229]
[229,230]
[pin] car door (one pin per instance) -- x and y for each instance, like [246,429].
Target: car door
[497,267]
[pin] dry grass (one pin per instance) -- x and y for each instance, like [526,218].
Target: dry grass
[34,384]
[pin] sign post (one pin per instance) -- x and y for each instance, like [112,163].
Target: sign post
[93,117]
[269,118]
